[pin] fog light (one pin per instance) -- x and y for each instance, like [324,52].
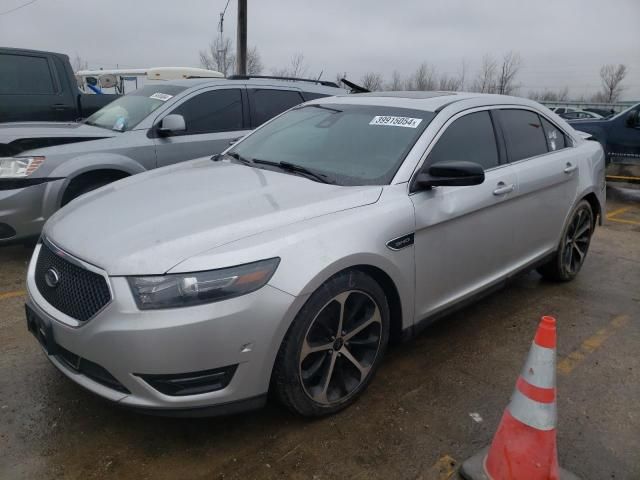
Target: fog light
[191,383]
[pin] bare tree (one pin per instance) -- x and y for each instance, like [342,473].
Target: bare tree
[79,63]
[372,81]
[219,56]
[296,68]
[486,80]
[396,83]
[561,95]
[254,62]
[612,77]
[424,78]
[509,69]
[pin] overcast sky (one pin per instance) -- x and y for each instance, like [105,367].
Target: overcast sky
[561,42]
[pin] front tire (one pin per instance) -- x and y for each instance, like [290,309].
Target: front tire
[334,346]
[574,245]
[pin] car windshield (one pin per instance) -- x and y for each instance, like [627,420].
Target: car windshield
[351,144]
[128,111]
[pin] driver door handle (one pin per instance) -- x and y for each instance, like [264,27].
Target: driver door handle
[503,189]
[570,168]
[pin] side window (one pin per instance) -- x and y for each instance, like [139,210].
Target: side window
[469,138]
[267,103]
[556,140]
[523,133]
[312,95]
[25,74]
[212,111]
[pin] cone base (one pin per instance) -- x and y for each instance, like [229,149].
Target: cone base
[473,469]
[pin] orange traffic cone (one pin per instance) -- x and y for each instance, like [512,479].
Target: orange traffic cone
[524,447]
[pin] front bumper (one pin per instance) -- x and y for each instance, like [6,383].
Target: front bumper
[245,332]
[24,211]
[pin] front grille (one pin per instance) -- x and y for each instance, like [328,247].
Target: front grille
[77,292]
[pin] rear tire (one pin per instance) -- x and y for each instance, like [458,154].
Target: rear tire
[574,245]
[334,346]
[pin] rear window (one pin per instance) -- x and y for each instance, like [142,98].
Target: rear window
[523,133]
[25,74]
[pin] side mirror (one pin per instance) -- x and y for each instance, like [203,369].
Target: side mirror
[171,124]
[633,119]
[450,174]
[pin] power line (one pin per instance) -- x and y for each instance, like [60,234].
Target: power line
[225,8]
[18,7]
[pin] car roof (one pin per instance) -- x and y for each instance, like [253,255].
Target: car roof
[306,86]
[431,101]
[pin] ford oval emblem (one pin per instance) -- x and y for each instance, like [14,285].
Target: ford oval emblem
[52,277]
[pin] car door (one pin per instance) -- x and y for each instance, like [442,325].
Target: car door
[623,140]
[547,168]
[267,102]
[464,235]
[213,118]
[31,89]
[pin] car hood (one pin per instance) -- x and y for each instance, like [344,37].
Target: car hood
[17,137]
[148,223]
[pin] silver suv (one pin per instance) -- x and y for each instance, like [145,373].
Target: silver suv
[44,166]
[289,261]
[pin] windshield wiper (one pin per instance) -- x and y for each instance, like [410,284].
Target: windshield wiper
[292,167]
[234,155]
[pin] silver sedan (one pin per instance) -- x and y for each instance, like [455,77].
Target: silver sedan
[290,261]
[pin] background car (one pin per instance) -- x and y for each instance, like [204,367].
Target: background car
[291,260]
[578,114]
[619,135]
[604,113]
[43,166]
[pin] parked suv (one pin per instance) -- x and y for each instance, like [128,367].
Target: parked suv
[290,260]
[45,165]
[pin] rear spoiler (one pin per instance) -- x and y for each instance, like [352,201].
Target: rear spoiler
[585,135]
[355,88]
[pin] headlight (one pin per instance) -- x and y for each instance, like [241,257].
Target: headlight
[18,167]
[186,289]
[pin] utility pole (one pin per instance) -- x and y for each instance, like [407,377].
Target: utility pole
[241,55]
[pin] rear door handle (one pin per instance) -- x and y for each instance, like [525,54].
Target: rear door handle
[570,168]
[60,106]
[503,189]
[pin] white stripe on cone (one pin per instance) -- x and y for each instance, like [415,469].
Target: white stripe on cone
[538,415]
[540,368]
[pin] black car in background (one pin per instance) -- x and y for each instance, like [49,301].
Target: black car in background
[41,86]
[601,111]
[619,135]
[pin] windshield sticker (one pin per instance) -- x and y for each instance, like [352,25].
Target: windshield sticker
[163,97]
[395,121]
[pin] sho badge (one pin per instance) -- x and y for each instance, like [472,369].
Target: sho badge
[400,242]
[52,277]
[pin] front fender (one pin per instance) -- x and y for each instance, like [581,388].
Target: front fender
[70,169]
[314,250]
